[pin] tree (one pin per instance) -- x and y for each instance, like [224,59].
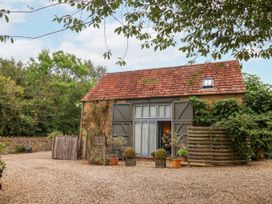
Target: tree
[44,95]
[258,96]
[206,28]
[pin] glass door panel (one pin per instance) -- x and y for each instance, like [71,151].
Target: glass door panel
[137,138]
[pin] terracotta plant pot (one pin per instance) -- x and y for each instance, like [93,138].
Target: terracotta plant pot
[176,163]
[160,163]
[114,161]
[130,162]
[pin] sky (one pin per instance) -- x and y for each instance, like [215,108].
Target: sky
[89,44]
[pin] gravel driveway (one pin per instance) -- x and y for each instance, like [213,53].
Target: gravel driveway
[36,178]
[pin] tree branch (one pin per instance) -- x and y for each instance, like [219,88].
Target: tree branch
[30,11]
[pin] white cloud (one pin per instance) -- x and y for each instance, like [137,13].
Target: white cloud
[90,44]
[21,49]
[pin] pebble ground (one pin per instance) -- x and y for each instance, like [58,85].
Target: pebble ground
[36,178]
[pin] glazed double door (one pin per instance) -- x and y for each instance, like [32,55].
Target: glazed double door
[145,137]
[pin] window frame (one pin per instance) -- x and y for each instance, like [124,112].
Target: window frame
[208,85]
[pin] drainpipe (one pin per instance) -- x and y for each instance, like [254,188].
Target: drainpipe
[82,141]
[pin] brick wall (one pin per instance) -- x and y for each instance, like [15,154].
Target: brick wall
[212,98]
[37,143]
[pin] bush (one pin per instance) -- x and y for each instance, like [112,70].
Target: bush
[2,166]
[258,95]
[2,147]
[153,154]
[130,153]
[161,154]
[54,134]
[223,109]
[201,111]
[20,148]
[2,163]
[182,152]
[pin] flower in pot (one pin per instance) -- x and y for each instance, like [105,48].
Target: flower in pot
[182,154]
[160,158]
[130,156]
[118,144]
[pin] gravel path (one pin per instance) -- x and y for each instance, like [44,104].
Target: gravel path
[36,178]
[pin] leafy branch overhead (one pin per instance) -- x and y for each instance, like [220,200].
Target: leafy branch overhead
[206,28]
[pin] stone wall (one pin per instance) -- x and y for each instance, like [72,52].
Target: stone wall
[37,143]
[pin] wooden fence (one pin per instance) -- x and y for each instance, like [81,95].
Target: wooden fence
[211,146]
[65,148]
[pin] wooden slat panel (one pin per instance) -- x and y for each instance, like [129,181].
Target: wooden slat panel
[65,148]
[210,146]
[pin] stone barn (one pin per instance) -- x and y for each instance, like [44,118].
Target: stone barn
[145,105]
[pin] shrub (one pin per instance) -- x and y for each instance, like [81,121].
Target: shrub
[201,111]
[54,134]
[223,109]
[2,166]
[258,96]
[2,147]
[153,154]
[161,154]
[20,148]
[130,153]
[182,152]
[2,163]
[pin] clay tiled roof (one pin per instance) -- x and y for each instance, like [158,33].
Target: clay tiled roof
[169,82]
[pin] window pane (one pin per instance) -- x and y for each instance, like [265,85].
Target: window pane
[145,139]
[153,111]
[167,111]
[152,137]
[137,136]
[145,111]
[161,111]
[138,111]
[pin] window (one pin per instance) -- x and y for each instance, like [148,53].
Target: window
[208,83]
[152,111]
[138,111]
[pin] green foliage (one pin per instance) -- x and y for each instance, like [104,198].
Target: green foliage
[20,148]
[206,28]
[153,154]
[160,154]
[54,134]
[130,153]
[258,96]
[201,111]
[182,152]
[2,163]
[44,95]
[2,166]
[222,109]
[250,123]
[2,147]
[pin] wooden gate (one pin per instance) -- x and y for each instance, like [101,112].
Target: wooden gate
[65,148]
[182,119]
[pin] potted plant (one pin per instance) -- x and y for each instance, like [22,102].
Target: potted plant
[175,143]
[130,156]
[160,158]
[118,144]
[182,154]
